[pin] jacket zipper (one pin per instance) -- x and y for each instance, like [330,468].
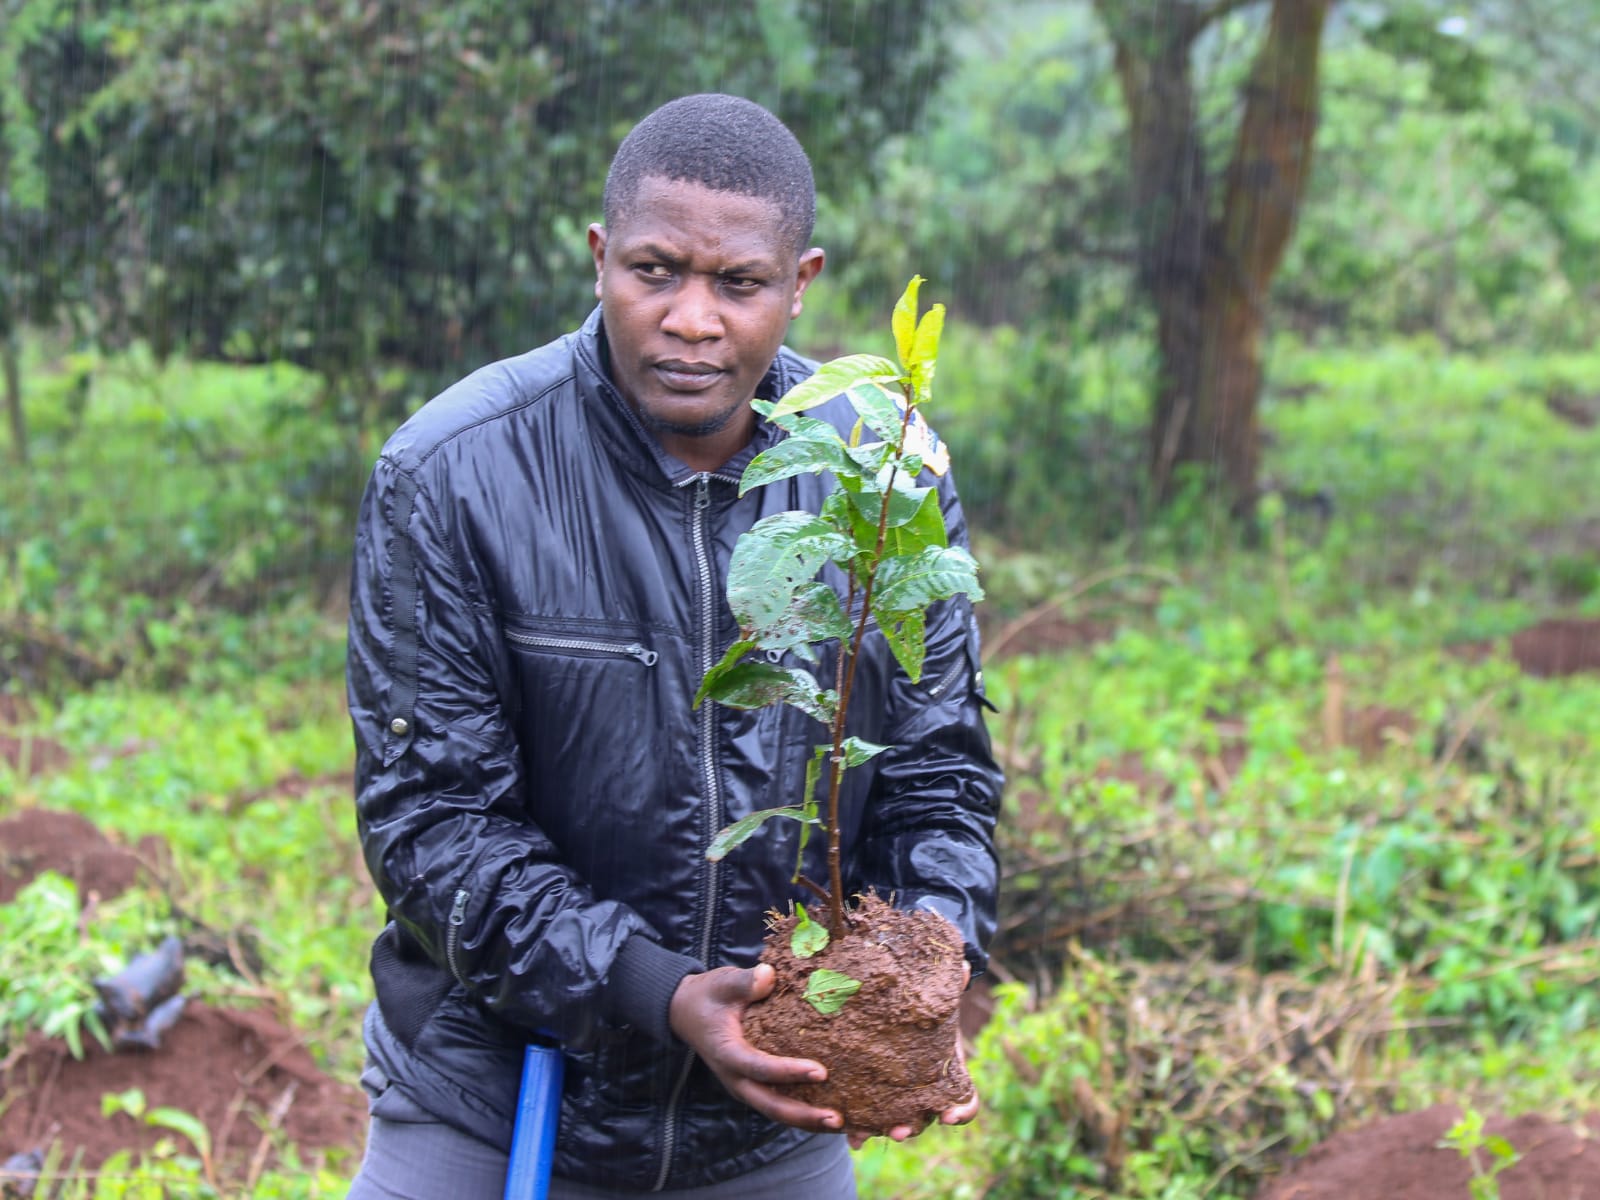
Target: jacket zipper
[947,678]
[452,936]
[586,645]
[713,801]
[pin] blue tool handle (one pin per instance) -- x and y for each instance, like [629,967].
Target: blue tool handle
[533,1136]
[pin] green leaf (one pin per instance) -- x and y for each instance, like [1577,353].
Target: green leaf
[131,1102]
[819,754]
[905,501]
[743,829]
[797,454]
[756,684]
[876,404]
[729,660]
[925,352]
[833,379]
[185,1123]
[906,634]
[773,559]
[933,574]
[808,938]
[796,423]
[859,750]
[826,991]
[904,322]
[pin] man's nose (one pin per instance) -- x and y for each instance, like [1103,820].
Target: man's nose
[694,315]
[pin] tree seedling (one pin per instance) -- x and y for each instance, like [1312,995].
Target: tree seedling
[885,535]
[1467,1138]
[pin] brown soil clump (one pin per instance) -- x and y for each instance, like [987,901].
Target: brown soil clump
[38,840]
[1560,646]
[246,1078]
[1398,1158]
[891,1050]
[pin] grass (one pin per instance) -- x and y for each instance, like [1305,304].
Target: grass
[1181,774]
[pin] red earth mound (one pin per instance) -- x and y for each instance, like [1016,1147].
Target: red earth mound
[1398,1158]
[36,840]
[247,1079]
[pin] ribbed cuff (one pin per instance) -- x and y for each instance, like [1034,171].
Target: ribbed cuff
[643,978]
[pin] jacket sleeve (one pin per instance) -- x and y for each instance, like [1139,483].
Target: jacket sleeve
[440,794]
[928,835]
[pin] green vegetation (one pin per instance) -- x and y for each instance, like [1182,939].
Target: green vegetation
[1177,794]
[1293,836]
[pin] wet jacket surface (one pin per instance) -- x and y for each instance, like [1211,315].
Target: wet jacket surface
[537,590]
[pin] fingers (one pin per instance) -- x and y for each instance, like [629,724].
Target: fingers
[784,1109]
[733,1054]
[960,1114]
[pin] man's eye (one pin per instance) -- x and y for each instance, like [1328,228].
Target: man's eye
[742,283]
[653,270]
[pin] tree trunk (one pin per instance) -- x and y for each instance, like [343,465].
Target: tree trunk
[12,369]
[1207,277]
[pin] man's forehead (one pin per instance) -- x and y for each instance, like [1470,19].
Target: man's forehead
[693,216]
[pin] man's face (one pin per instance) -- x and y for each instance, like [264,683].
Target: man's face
[697,288]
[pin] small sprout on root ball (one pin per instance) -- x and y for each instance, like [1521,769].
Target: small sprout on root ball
[808,937]
[826,991]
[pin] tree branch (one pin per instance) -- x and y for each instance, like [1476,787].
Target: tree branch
[1205,14]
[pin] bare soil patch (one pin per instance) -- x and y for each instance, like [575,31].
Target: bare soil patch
[1559,646]
[1575,408]
[242,1074]
[1398,1158]
[37,840]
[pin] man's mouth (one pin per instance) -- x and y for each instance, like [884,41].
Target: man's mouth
[683,376]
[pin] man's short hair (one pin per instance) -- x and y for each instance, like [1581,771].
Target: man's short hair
[724,143]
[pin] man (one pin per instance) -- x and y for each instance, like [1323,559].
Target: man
[538,587]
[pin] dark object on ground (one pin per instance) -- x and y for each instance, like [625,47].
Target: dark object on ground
[19,1174]
[38,840]
[246,1078]
[1398,1158]
[147,1035]
[890,1050]
[148,980]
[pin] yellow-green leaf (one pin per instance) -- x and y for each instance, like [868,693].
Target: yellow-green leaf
[905,322]
[833,379]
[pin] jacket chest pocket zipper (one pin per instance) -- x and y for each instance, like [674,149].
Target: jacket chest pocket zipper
[586,647]
[452,936]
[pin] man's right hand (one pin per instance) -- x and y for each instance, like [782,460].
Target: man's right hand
[706,1011]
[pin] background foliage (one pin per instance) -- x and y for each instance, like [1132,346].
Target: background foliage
[1281,764]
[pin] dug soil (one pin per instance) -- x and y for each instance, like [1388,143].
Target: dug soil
[891,1049]
[248,1079]
[37,840]
[1399,1158]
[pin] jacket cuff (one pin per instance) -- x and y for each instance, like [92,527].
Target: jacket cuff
[639,989]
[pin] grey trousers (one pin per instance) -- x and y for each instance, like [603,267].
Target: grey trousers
[412,1156]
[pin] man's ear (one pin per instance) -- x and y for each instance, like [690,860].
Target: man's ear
[597,247]
[810,267]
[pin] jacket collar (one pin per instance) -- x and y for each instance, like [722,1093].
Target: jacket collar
[612,418]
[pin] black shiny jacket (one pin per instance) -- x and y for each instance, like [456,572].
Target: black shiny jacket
[537,590]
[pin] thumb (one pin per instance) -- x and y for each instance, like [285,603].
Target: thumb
[745,985]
